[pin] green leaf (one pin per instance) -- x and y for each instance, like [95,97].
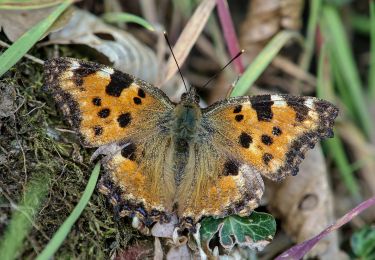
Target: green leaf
[255,231]
[127,18]
[20,47]
[65,228]
[260,63]
[363,243]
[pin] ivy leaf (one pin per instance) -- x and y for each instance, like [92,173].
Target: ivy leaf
[254,231]
[363,243]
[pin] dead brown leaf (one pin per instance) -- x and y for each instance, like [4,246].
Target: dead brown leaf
[188,37]
[16,22]
[124,51]
[363,152]
[305,204]
[264,19]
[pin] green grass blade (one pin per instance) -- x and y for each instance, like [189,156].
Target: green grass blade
[342,54]
[65,228]
[22,218]
[127,18]
[371,75]
[314,12]
[261,62]
[20,47]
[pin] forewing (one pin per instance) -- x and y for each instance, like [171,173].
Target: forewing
[104,105]
[271,133]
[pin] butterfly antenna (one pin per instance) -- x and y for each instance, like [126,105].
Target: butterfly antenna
[214,76]
[179,70]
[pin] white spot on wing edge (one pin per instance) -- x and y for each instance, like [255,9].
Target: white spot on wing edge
[105,73]
[74,64]
[278,100]
[309,102]
[107,70]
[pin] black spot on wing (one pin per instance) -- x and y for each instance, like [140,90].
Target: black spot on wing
[276,131]
[267,157]
[245,140]
[297,103]
[262,105]
[104,113]
[141,93]
[137,100]
[230,168]
[124,119]
[129,151]
[238,118]
[267,140]
[119,81]
[97,101]
[237,109]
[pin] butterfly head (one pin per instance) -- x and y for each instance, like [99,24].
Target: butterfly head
[190,97]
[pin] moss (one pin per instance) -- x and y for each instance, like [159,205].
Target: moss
[30,144]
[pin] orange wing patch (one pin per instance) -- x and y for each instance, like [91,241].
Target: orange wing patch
[105,105]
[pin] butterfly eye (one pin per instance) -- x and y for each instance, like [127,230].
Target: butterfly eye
[184,96]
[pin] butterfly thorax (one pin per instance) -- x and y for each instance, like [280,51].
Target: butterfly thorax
[187,116]
[186,122]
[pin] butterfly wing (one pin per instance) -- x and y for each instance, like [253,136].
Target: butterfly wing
[108,107]
[251,136]
[104,105]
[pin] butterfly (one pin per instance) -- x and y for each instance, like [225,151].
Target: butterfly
[166,158]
